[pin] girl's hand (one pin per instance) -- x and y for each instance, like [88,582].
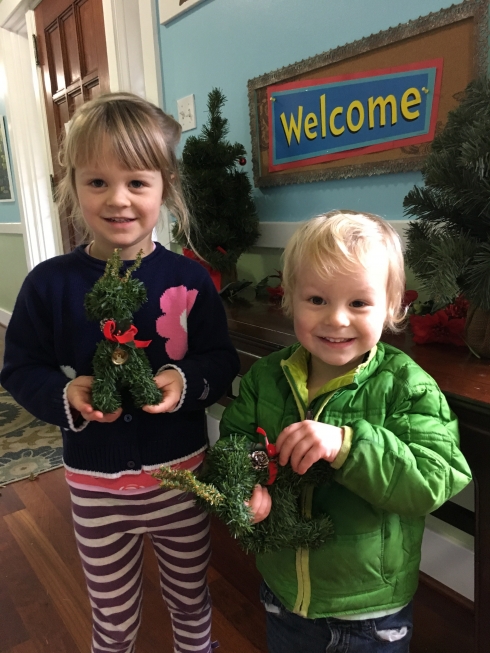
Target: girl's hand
[306,442]
[260,503]
[79,395]
[171,383]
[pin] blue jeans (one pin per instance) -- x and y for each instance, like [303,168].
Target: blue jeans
[290,633]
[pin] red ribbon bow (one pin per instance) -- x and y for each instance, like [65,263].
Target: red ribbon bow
[272,453]
[123,338]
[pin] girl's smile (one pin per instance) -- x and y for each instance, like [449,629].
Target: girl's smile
[120,206]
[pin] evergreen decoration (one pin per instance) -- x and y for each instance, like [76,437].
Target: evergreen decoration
[218,194]
[227,482]
[120,360]
[449,243]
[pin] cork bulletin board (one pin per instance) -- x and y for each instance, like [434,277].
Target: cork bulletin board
[369,107]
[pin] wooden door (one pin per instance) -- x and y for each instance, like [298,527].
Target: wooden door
[73,56]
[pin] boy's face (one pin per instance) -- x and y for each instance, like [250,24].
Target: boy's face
[339,319]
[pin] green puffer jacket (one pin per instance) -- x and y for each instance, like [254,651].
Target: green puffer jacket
[400,462]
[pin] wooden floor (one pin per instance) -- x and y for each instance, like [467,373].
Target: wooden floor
[43,603]
[44,606]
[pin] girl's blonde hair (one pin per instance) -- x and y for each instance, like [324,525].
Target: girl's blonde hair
[138,134]
[340,241]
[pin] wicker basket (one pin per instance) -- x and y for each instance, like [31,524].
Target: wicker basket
[477,330]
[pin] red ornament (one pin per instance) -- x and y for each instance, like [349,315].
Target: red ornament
[272,455]
[409,297]
[276,293]
[242,160]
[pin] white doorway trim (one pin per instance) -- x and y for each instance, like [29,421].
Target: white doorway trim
[134,65]
[133,50]
[26,122]
[133,54]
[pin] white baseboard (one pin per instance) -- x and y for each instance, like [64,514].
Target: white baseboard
[4,317]
[11,228]
[448,557]
[277,234]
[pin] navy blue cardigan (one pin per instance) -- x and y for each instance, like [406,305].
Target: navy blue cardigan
[49,339]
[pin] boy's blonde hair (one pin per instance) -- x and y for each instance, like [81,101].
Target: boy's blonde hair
[339,241]
[138,134]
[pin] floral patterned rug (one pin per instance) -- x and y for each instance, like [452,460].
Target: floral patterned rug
[28,446]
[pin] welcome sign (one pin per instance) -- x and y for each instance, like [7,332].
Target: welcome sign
[312,121]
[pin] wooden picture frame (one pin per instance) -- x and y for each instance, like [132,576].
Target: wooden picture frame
[170,9]
[6,185]
[457,35]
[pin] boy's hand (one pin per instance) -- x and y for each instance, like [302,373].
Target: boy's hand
[171,384]
[306,442]
[79,395]
[260,503]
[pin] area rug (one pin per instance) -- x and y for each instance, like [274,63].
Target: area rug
[28,446]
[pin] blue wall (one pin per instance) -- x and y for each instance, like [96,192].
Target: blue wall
[225,43]
[9,211]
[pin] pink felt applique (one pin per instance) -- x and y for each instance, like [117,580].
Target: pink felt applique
[176,304]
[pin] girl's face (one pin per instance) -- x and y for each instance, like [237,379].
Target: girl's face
[120,206]
[339,319]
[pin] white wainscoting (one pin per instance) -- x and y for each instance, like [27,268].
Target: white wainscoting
[4,317]
[11,228]
[277,234]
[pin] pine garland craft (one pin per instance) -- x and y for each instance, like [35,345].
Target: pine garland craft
[232,469]
[119,360]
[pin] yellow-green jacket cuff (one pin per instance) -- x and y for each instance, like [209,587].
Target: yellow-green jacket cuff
[344,449]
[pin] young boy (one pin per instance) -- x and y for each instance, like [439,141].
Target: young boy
[376,416]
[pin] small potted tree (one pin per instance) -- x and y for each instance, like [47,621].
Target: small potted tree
[448,245]
[219,195]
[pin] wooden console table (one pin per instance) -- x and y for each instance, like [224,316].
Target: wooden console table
[260,328]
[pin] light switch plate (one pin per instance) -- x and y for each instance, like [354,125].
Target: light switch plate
[186,111]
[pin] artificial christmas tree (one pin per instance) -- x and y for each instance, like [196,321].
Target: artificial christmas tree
[219,195]
[449,242]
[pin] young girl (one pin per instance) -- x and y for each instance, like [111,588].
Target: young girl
[119,168]
[381,422]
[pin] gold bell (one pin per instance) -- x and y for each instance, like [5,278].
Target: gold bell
[119,356]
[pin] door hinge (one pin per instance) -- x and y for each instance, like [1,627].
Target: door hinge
[53,187]
[36,50]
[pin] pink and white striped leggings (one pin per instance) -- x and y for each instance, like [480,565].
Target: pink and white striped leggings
[109,529]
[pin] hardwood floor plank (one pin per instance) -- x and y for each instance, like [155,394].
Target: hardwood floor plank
[232,563]
[12,630]
[246,618]
[55,487]
[71,601]
[230,639]
[155,633]
[33,603]
[9,500]
[26,647]
[50,521]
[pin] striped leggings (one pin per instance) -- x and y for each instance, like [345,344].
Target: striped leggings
[109,530]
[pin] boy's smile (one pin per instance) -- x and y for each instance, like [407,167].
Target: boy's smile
[339,319]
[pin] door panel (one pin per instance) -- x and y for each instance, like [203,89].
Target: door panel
[73,56]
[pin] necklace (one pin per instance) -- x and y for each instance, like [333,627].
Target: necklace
[88,249]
